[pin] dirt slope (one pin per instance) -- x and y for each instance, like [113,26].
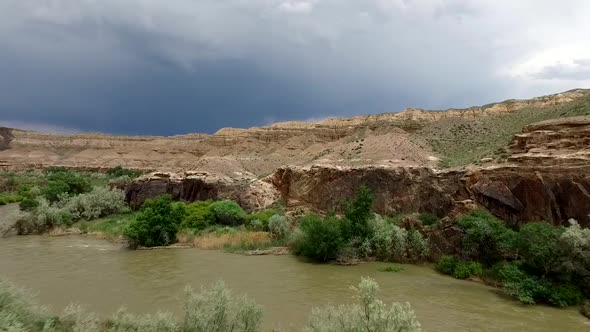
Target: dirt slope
[409,138]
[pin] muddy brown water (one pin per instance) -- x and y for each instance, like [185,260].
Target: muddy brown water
[104,276]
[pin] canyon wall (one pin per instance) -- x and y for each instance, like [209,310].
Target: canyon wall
[383,139]
[518,192]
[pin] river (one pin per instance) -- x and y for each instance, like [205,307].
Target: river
[104,276]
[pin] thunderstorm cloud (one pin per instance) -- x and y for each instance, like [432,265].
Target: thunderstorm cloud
[178,66]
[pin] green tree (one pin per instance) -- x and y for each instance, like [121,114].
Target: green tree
[228,213]
[156,224]
[61,182]
[199,215]
[486,238]
[359,212]
[321,239]
[538,246]
[117,172]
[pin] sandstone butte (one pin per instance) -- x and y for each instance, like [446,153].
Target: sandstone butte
[535,165]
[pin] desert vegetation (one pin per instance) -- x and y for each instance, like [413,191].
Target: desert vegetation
[210,309]
[462,141]
[358,234]
[58,198]
[536,263]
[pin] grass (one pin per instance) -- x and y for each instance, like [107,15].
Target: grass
[230,239]
[463,141]
[110,228]
[248,245]
[7,198]
[391,268]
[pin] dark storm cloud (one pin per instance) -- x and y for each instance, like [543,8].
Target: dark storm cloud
[155,67]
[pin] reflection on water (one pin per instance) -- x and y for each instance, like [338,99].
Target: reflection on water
[104,277]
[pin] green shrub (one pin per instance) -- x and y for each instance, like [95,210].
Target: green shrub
[99,202]
[528,289]
[393,243]
[44,215]
[465,270]
[486,239]
[211,309]
[574,246]
[417,246]
[18,312]
[216,309]
[359,212]
[8,198]
[507,272]
[228,213]
[428,218]
[538,246]
[199,215]
[321,239]
[367,314]
[118,172]
[278,226]
[65,182]
[354,249]
[256,225]
[296,240]
[47,215]
[461,270]
[264,217]
[156,224]
[563,295]
[447,264]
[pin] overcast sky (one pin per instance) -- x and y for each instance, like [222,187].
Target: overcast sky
[179,66]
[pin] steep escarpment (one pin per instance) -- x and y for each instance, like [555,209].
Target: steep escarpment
[515,194]
[518,192]
[554,142]
[396,189]
[412,137]
[199,186]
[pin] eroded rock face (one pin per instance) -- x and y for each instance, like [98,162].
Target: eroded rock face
[557,142]
[520,194]
[445,238]
[199,186]
[396,189]
[516,194]
[379,139]
[548,180]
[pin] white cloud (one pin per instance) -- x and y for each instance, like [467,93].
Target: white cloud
[297,6]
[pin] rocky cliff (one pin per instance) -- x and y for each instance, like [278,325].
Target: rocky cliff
[540,174]
[517,192]
[390,139]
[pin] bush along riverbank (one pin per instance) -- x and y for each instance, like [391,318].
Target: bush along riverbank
[210,309]
[535,263]
[57,198]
